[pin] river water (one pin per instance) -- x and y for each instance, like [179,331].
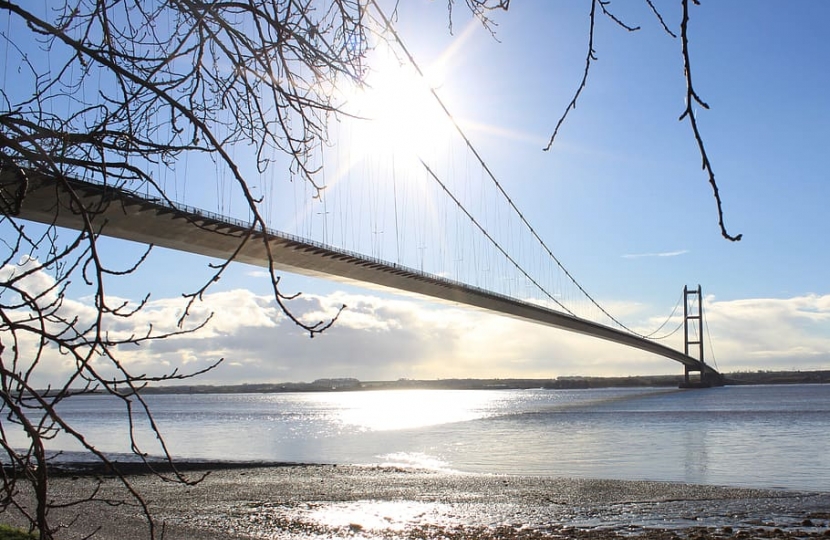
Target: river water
[755,436]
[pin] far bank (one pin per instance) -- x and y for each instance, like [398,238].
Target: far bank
[348,384]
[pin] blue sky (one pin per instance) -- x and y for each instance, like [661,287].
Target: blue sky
[620,198]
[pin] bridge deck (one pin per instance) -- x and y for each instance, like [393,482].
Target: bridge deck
[130,216]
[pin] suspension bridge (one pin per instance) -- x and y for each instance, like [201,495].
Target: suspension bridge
[121,213]
[413,185]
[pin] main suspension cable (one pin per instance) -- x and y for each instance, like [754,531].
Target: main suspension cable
[679,326]
[490,238]
[388,24]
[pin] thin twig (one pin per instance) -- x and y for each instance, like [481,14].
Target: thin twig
[693,98]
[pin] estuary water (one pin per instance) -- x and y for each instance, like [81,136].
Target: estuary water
[756,436]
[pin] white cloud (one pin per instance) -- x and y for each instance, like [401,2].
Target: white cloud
[658,254]
[380,338]
[771,333]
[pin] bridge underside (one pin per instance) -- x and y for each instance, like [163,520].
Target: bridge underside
[129,216]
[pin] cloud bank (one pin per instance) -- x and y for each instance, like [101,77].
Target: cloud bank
[386,338]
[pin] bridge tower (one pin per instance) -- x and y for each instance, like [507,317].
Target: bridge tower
[693,344]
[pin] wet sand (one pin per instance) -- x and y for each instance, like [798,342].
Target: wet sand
[310,502]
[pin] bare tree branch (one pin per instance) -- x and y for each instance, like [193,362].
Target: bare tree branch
[109,90]
[589,58]
[693,98]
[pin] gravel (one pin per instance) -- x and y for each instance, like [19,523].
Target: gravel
[317,501]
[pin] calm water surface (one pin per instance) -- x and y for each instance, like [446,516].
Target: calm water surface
[760,436]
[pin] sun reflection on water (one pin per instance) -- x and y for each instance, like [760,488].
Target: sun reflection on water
[386,410]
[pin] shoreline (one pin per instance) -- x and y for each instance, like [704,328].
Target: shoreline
[283,500]
[577,382]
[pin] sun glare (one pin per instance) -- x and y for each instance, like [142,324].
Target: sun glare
[396,107]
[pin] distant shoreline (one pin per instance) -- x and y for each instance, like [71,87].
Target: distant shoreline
[558,383]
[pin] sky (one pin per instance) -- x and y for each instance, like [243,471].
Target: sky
[620,198]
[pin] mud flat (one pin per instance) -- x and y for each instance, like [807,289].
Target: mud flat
[316,501]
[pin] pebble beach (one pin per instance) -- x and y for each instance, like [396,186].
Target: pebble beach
[323,501]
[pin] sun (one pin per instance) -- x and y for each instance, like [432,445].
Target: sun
[396,109]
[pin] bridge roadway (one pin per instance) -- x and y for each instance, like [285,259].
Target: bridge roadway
[128,215]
